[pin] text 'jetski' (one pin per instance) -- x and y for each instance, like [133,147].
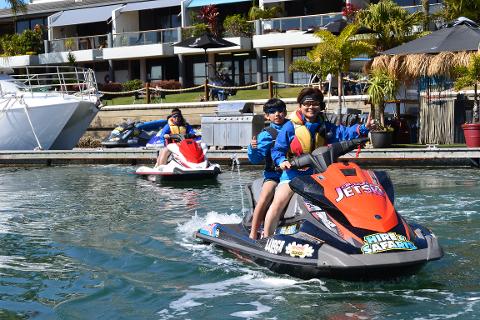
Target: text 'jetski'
[340,222]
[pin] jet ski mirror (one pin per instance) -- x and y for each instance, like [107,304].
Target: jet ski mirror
[177,137]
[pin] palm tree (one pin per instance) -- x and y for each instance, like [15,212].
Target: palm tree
[17,5]
[453,9]
[392,24]
[426,12]
[381,86]
[470,76]
[335,53]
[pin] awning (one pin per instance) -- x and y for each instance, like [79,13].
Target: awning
[201,3]
[85,15]
[146,5]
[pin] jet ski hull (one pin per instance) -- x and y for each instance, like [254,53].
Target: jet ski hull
[179,174]
[325,260]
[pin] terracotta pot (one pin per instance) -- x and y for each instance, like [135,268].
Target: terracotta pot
[472,134]
[381,139]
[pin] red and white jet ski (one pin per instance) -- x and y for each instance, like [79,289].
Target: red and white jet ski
[187,161]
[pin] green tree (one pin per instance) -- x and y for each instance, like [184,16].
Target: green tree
[452,9]
[470,76]
[392,24]
[333,55]
[17,5]
[381,87]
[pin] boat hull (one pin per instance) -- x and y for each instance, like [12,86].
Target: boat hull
[57,120]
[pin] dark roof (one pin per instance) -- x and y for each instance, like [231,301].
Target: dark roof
[457,38]
[47,8]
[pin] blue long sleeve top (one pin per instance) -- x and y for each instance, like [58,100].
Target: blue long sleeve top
[264,145]
[166,130]
[333,133]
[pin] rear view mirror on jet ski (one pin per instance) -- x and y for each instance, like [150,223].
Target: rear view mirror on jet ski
[340,222]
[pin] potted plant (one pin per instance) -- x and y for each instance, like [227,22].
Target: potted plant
[237,26]
[382,87]
[470,76]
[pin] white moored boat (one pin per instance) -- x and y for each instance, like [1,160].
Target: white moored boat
[49,110]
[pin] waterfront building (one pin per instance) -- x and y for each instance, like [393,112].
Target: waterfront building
[124,40]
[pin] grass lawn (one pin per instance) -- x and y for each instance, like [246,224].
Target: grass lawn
[251,94]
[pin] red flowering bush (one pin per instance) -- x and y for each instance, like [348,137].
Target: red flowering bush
[350,11]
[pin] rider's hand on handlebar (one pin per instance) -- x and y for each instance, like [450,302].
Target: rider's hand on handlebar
[254,142]
[166,136]
[285,165]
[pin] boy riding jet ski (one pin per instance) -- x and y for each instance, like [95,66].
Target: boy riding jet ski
[340,223]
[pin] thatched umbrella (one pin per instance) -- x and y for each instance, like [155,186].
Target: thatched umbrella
[436,54]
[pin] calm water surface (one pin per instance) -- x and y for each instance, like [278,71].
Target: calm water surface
[97,242]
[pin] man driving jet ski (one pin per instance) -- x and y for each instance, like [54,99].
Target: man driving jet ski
[307,130]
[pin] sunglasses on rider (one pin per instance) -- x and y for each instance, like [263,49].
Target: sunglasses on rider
[176,115]
[275,109]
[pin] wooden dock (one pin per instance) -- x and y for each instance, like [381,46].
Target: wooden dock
[411,157]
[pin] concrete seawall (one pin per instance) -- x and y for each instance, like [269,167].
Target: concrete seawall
[398,157]
[110,116]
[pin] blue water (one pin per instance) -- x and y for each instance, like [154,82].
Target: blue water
[97,242]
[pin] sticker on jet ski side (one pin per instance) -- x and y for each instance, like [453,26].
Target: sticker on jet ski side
[351,189]
[299,250]
[211,230]
[381,242]
[274,246]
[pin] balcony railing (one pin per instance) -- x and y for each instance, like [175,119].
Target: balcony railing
[303,23]
[78,43]
[138,38]
[434,8]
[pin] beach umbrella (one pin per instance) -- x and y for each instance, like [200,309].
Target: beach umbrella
[459,37]
[205,41]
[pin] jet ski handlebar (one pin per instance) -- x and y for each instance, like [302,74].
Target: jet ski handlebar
[323,156]
[180,137]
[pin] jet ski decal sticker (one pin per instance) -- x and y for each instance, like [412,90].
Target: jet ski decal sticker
[299,250]
[274,246]
[381,242]
[291,229]
[211,230]
[352,189]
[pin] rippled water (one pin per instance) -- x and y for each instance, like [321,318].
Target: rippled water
[97,242]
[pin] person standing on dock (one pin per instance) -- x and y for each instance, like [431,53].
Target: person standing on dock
[260,150]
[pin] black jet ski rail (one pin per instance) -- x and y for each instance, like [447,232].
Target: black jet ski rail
[324,156]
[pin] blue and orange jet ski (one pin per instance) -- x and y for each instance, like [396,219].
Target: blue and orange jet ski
[340,222]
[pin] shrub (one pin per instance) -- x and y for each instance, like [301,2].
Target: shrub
[131,85]
[237,26]
[111,87]
[196,30]
[166,84]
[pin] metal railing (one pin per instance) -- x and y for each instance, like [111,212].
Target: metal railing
[302,23]
[434,8]
[60,79]
[138,38]
[78,43]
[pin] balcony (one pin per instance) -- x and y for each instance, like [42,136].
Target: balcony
[85,49]
[139,44]
[290,31]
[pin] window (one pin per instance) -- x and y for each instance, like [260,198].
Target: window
[300,77]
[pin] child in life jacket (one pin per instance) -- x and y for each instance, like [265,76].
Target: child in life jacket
[176,125]
[260,150]
[307,130]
